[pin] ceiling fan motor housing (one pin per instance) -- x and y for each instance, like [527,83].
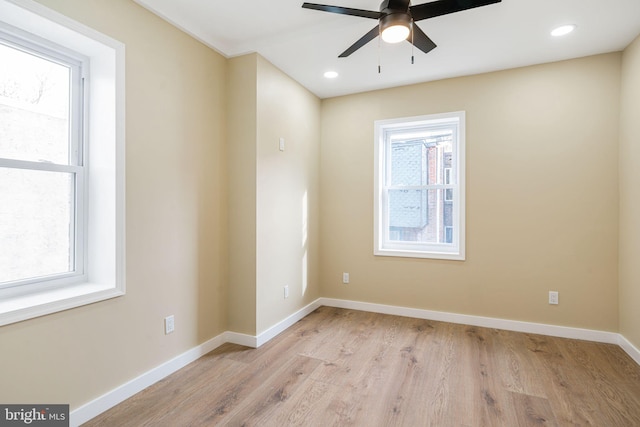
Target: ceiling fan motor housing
[384,7]
[402,19]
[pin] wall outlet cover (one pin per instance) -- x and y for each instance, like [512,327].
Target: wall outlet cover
[169,324]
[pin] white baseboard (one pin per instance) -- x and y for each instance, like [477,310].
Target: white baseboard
[281,326]
[123,392]
[273,331]
[629,348]
[486,322]
[241,339]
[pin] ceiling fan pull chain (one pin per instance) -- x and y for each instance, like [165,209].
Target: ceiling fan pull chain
[413,46]
[379,47]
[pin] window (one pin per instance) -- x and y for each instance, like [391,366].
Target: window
[42,172]
[419,187]
[61,163]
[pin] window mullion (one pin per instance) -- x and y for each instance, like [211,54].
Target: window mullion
[421,187]
[41,166]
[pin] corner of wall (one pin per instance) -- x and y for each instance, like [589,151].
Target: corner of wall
[629,176]
[287,168]
[241,160]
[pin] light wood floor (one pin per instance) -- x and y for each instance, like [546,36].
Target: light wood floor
[349,368]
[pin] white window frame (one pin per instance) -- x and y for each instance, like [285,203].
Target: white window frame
[383,246]
[32,45]
[101,273]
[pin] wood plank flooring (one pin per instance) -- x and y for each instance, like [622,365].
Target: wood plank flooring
[341,367]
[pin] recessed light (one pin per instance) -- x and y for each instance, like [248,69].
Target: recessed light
[563,30]
[331,74]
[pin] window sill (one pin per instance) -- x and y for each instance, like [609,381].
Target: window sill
[453,256]
[23,307]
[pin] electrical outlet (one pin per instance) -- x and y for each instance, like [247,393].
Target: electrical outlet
[553,297]
[169,325]
[345,277]
[286,291]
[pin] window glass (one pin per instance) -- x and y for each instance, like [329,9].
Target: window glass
[34,107]
[36,223]
[422,157]
[418,216]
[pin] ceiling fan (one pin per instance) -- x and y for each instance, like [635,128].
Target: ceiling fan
[397,20]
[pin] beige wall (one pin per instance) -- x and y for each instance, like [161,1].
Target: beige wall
[274,235]
[630,195]
[542,199]
[287,196]
[242,150]
[176,223]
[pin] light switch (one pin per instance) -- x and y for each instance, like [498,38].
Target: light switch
[281,144]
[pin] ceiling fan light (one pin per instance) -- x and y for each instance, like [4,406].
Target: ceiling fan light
[395,33]
[395,27]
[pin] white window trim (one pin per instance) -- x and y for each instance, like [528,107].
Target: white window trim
[105,200]
[433,251]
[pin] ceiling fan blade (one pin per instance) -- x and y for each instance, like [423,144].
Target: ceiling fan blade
[444,7]
[363,40]
[421,40]
[343,10]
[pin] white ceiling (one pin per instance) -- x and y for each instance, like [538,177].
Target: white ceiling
[305,43]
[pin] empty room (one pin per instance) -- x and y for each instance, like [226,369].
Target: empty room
[343,214]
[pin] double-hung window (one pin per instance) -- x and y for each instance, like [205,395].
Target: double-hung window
[62,219]
[42,172]
[419,187]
